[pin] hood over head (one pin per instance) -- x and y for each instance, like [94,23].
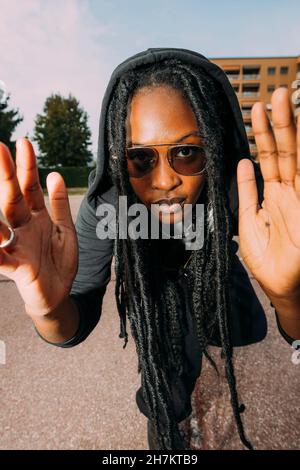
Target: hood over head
[99,181]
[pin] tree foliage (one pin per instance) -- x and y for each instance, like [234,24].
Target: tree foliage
[9,120]
[62,133]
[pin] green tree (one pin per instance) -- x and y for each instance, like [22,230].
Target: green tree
[9,120]
[62,133]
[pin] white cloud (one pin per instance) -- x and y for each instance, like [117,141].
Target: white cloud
[53,46]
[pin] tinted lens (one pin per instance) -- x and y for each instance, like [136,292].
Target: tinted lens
[140,161]
[188,159]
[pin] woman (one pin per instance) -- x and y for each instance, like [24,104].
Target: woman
[171,134]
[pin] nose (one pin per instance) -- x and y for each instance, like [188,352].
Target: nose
[163,176]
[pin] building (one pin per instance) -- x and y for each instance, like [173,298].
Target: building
[255,78]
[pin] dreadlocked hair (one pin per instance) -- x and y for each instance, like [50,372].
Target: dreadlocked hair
[151,300]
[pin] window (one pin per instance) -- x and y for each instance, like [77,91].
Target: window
[251,90]
[246,110]
[271,70]
[251,72]
[285,86]
[233,74]
[284,70]
[271,88]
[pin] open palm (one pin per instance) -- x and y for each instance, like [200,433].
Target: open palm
[43,258]
[270,234]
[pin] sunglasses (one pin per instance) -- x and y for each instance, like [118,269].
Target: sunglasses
[185,159]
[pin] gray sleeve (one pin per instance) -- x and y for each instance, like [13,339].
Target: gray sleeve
[93,275]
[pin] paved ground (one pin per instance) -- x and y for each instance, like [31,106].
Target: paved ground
[84,397]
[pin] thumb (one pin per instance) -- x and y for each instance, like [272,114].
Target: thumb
[59,200]
[247,189]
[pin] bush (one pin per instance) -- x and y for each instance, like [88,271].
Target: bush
[74,177]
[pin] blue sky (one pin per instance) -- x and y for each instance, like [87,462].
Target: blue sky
[73,45]
[215,28]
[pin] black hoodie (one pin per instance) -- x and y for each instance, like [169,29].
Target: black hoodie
[247,322]
[240,146]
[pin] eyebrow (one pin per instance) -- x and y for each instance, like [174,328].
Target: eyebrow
[176,141]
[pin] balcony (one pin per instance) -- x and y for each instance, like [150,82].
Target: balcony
[233,73]
[251,90]
[246,113]
[251,72]
[250,94]
[253,149]
[251,76]
[233,78]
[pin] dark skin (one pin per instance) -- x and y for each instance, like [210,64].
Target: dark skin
[161,115]
[42,260]
[269,235]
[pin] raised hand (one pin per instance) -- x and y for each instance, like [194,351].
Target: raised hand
[269,234]
[43,258]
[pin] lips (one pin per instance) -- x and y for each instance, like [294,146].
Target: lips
[169,206]
[173,200]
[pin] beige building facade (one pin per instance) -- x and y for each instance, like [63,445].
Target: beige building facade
[255,79]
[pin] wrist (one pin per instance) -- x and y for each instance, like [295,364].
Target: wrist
[59,325]
[287,304]
[51,313]
[287,310]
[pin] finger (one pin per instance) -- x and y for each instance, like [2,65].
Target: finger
[247,189]
[12,202]
[59,201]
[8,264]
[266,144]
[297,177]
[28,177]
[285,135]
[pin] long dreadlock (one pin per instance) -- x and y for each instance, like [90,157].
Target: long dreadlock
[151,300]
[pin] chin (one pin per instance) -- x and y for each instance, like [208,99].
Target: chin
[170,219]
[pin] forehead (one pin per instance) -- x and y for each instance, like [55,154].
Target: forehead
[159,114]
